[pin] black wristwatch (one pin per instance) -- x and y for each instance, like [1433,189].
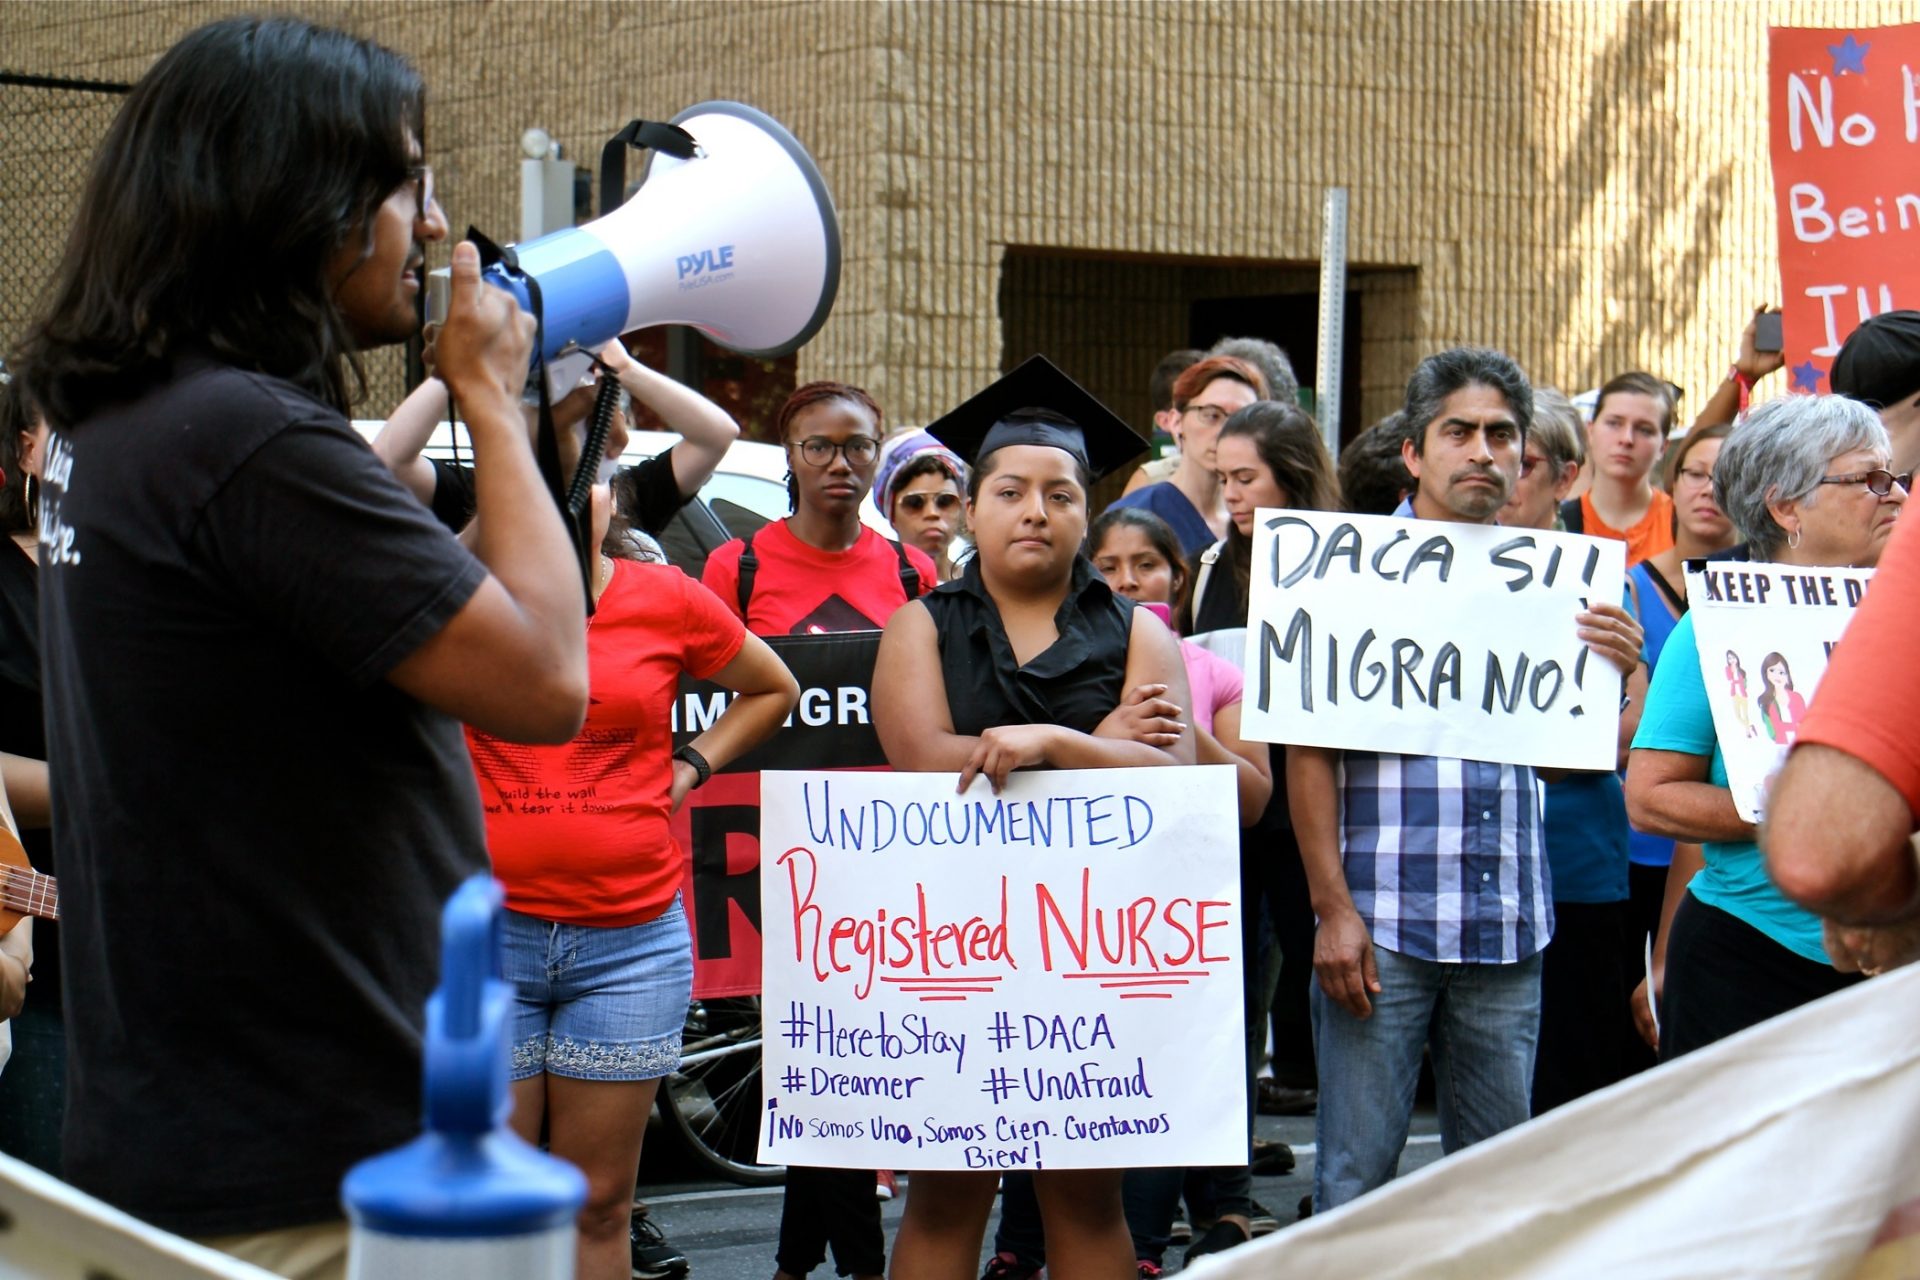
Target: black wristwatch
[701,769]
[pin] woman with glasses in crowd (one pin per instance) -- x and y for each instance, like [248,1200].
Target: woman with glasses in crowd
[1204,397]
[1805,481]
[820,569]
[1657,594]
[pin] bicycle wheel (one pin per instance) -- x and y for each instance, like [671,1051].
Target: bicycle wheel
[712,1104]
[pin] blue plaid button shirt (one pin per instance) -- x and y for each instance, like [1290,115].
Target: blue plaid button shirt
[1444,858]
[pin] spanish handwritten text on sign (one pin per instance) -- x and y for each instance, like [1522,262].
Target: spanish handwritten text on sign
[1046,978]
[1844,106]
[1422,637]
[1764,632]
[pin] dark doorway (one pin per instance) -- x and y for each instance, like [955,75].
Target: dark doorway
[1291,321]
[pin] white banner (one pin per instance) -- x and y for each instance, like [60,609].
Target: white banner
[1424,637]
[56,1232]
[1764,633]
[1049,977]
[1785,1151]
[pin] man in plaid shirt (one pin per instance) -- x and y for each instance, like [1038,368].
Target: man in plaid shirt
[1428,875]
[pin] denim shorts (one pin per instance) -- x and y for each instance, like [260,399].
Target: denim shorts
[595,1003]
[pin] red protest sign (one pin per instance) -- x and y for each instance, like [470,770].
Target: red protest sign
[1844,108]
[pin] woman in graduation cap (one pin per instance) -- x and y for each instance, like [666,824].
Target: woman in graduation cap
[1027,660]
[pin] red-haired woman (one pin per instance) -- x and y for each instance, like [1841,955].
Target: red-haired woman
[820,569]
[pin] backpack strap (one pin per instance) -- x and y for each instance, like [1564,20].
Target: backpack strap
[909,576]
[749,566]
[1208,558]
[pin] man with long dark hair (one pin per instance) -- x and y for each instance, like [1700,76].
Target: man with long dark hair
[258,645]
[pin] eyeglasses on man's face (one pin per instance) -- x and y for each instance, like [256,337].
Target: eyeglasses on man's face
[859,451]
[1879,481]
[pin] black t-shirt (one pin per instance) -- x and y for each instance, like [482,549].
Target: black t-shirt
[254,831]
[645,493]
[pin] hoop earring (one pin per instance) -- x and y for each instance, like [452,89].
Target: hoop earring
[1793,540]
[30,499]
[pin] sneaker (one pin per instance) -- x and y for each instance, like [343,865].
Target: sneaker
[1261,1221]
[653,1257]
[1145,1270]
[885,1185]
[1180,1232]
[1007,1266]
[1220,1237]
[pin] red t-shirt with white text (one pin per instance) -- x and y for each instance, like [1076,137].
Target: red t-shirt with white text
[578,833]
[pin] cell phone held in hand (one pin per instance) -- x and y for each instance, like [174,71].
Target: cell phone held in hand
[1766,332]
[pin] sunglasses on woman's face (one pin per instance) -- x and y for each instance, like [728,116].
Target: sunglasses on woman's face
[917,502]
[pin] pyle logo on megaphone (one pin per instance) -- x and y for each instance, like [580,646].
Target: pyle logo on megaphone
[746,224]
[709,266]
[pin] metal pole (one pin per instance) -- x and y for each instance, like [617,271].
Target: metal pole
[1333,315]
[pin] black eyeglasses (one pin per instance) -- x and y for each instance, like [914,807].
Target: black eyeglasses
[1879,481]
[917,502]
[819,451]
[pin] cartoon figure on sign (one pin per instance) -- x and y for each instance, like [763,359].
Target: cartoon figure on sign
[1737,691]
[1780,707]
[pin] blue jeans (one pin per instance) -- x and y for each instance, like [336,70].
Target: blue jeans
[1482,1022]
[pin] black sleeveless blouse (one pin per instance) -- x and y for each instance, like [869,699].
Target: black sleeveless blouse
[1075,682]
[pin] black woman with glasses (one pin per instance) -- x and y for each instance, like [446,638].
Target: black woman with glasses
[820,569]
[1806,480]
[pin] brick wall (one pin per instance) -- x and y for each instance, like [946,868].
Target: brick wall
[1584,185]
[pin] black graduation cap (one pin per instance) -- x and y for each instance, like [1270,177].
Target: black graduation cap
[1038,404]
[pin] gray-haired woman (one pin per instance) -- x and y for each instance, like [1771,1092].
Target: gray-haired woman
[1806,481]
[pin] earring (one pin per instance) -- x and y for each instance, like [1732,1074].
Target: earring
[1793,540]
[30,498]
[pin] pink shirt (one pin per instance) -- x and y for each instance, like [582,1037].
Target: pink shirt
[1214,683]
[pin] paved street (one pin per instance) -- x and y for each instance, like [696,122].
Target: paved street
[728,1232]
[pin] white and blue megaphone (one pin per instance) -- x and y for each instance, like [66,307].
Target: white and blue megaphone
[737,239]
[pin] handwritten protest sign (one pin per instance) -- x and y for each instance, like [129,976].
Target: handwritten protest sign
[1046,978]
[719,825]
[1420,637]
[1764,633]
[1844,109]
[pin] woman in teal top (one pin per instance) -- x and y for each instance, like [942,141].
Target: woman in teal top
[1804,479]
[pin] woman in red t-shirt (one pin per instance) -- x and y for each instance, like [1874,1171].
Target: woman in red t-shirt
[597,945]
[820,569]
